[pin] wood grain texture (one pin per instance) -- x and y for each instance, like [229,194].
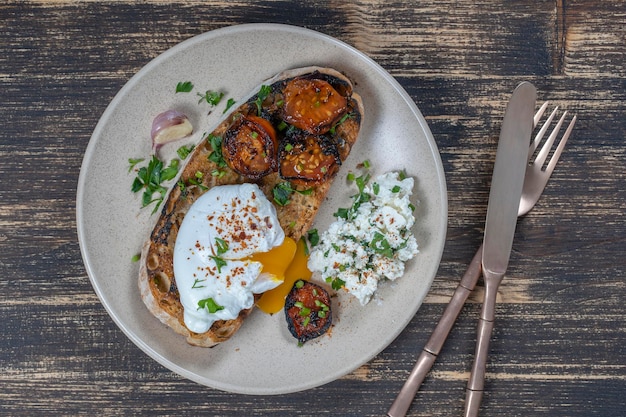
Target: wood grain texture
[559,345]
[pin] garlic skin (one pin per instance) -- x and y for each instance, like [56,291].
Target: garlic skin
[169,126]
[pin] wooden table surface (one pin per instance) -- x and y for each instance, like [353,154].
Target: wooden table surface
[559,345]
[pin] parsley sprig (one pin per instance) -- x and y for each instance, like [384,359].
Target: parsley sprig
[150,179]
[358,199]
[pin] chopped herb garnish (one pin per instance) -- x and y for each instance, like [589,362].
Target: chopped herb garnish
[150,178]
[261,96]
[134,161]
[229,104]
[396,189]
[380,245]
[219,262]
[282,192]
[306,245]
[299,283]
[360,198]
[375,188]
[135,258]
[184,151]
[314,237]
[222,246]
[216,156]
[218,173]
[211,97]
[336,283]
[184,87]
[197,283]
[343,119]
[210,305]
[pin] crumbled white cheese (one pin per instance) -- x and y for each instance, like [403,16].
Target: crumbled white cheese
[371,243]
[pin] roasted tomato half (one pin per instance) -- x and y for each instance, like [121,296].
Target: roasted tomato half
[249,147]
[307,310]
[307,159]
[312,105]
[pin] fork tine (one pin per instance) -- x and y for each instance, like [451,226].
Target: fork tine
[539,113]
[541,133]
[545,149]
[559,148]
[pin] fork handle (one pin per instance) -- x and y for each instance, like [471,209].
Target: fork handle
[432,348]
[476,383]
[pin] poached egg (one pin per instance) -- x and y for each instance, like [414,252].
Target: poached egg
[218,254]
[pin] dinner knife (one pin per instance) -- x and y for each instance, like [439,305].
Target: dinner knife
[521,97]
[504,197]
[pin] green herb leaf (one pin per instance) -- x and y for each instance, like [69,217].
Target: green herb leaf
[222,246]
[396,189]
[150,178]
[198,283]
[184,151]
[261,96]
[343,119]
[133,161]
[314,237]
[219,262]
[282,193]
[380,245]
[229,104]
[210,305]
[171,171]
[336,283]
[216,156]
[135,258]
[211,97]
[184,87]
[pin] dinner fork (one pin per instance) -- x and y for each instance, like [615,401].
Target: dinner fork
[535,180]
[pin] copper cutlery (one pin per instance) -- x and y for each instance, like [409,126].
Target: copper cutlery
[534,182]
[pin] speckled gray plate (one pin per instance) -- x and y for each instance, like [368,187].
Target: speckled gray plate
[262,358]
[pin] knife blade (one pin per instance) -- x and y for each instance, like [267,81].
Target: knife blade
[504,197]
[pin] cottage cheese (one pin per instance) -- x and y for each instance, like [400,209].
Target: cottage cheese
[373,242]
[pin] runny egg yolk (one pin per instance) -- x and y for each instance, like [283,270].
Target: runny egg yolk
[288,260]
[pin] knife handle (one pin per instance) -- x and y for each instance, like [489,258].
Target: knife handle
[432,348]
[476,383]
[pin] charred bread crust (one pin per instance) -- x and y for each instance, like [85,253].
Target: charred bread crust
[157,283]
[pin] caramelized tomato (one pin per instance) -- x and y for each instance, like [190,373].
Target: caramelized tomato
[308,311]
[312,105]
[250,147]
[306,159]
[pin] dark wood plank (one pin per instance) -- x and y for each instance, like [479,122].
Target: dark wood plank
[558,346]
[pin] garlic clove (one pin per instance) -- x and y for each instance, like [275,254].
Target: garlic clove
[169,126]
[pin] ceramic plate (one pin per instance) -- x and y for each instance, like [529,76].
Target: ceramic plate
[262,358]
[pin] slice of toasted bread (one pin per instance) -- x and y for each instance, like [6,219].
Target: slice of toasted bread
[157,282]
